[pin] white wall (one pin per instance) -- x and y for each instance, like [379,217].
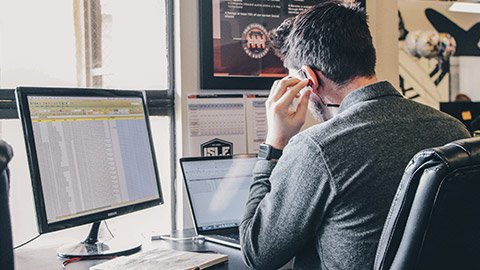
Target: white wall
[468,76]
[383,20]
[384,26]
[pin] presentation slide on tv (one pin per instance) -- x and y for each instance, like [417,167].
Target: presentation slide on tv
[240,39]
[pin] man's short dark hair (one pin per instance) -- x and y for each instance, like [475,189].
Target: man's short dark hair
[278,35]
[332,37]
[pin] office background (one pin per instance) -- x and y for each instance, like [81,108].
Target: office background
[163,60]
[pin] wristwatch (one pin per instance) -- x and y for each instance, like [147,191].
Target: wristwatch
[266,151]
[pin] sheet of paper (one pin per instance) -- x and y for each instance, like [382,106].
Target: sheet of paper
[256,121]
[216,125]
[166,259]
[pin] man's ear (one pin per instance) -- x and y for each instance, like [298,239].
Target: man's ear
[313,77]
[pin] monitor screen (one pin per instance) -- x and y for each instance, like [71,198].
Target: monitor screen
[236,52]
[218,189]
[90,154]
[467,112]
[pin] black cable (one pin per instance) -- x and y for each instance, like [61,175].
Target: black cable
[106,225]
[23,244]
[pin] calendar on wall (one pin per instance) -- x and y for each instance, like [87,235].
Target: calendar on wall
[221,125]
[256,121]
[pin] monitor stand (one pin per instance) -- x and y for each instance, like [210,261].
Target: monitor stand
[93,247]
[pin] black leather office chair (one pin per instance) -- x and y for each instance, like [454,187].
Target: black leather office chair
[6,250]
[434,220]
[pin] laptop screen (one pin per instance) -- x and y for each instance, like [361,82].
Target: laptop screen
[218,189]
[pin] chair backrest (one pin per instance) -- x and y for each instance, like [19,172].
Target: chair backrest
[6,245]
[434,220]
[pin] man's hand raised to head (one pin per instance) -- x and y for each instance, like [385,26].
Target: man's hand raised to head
[282,123]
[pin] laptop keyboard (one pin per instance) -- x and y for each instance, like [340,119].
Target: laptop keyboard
[232,238]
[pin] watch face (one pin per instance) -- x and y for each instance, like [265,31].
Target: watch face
[263,151]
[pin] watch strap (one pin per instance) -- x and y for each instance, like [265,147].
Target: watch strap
[268,152]
[275,153]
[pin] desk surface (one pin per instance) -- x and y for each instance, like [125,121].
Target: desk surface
[42,253]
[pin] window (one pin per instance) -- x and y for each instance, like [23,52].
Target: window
[86,43]
[121,44]
[114,44]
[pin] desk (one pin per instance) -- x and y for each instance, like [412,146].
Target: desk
[42,253]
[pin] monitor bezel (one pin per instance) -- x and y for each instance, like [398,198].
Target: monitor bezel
[206,158]
[455,108]
[22,93]
[208,80]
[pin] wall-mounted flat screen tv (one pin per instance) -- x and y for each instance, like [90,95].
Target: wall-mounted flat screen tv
[235,51]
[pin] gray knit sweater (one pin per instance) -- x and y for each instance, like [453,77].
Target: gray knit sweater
[325,201]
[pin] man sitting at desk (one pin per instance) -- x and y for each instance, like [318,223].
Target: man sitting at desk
[325,200]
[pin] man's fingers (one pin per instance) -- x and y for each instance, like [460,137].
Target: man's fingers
[288,97]
[303,104]
[280,87]
[272,91]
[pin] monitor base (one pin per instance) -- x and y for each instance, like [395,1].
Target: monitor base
[92,246]
[112,247]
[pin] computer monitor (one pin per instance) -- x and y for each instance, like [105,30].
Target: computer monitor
[467,112]
[236,50]
[91,158]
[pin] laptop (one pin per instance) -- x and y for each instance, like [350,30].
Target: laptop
[218,189]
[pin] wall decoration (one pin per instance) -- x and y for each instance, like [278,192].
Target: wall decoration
[430,44]
[467,41]
[438,73]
